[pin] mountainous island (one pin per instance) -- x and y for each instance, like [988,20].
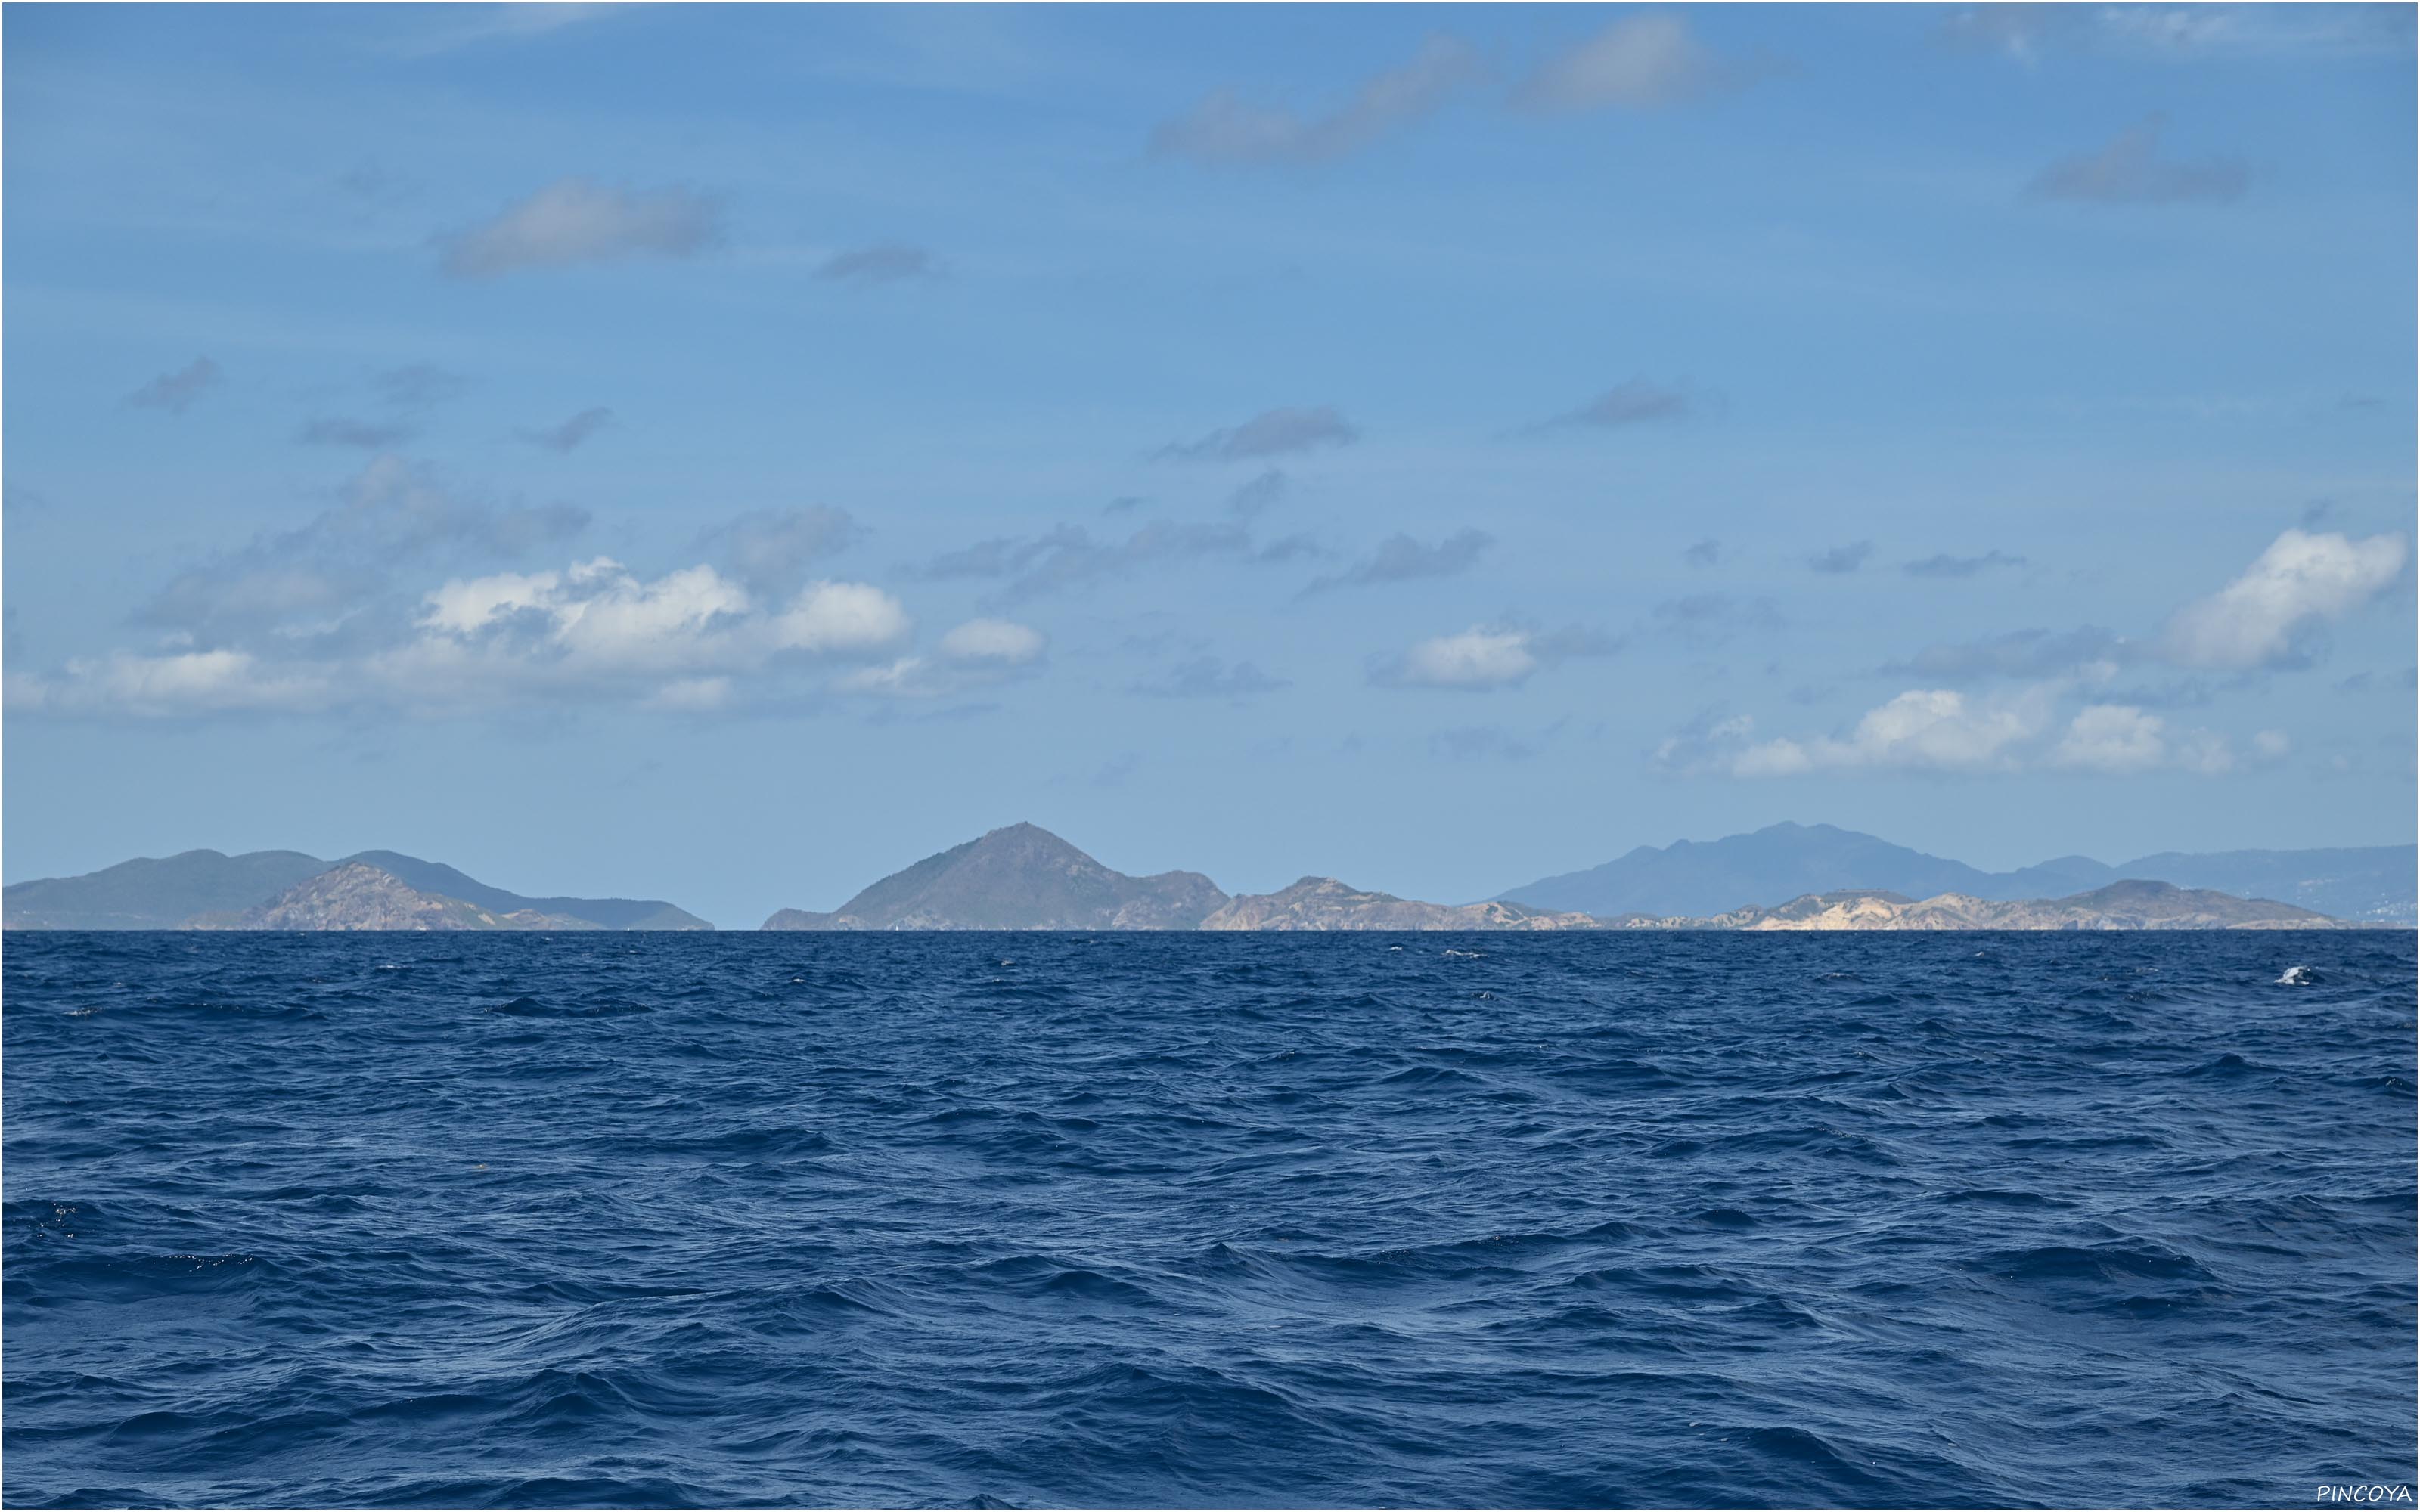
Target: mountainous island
[1024,877]
[287,890]
[1020,877]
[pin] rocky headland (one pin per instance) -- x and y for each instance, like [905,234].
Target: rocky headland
[358,896]
[1326,904]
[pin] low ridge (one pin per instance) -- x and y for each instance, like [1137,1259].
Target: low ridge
[1326,904]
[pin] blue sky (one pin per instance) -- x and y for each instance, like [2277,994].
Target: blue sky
[729,453]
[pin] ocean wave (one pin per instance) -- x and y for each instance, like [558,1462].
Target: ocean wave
[881,1220]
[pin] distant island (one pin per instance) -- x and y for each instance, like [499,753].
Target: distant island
[1024,877]
[282,889]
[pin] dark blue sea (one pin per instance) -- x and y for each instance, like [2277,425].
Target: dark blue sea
[1551,1220]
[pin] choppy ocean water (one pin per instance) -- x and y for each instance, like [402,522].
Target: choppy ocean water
[1502,1220]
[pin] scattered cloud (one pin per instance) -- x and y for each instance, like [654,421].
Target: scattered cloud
[1271,433]
[176,391]
[369,434]
[2120,739]
[1225,129]
[688,639]
[1634,402]
[1944,730]
[1402,558]
[570,433]
[1070,557]
[369,180]
[769,549]
[598,629]
[1842,559]
[1704,554]
[1643,61]
[1487,657]
[2029,33]
[992,642]
[1712,738]
[473,25]
[2130,171]
[1708,619]
[179,682]
[1946,565]
[977,654]
[417,385]
[1483,742]
[2018,654]
[2267,615]
[1208,677]
[576,221]
[2112,737]
[333,568]
[889,262]
[1258,496]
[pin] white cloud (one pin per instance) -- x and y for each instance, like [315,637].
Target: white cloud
[465,606]
[839,616]
[2112,737]
[1476,659]
[1001,642]
[1641,62]
[621,624]
[182,683]
[1489,657]
[597,616]
[2272,744]
[2303,581]
[1941,730]
[575,220]
[1925,729]
[1225,129]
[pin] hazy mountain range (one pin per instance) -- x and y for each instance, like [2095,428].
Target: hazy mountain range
[1023,877]
[2371,884]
